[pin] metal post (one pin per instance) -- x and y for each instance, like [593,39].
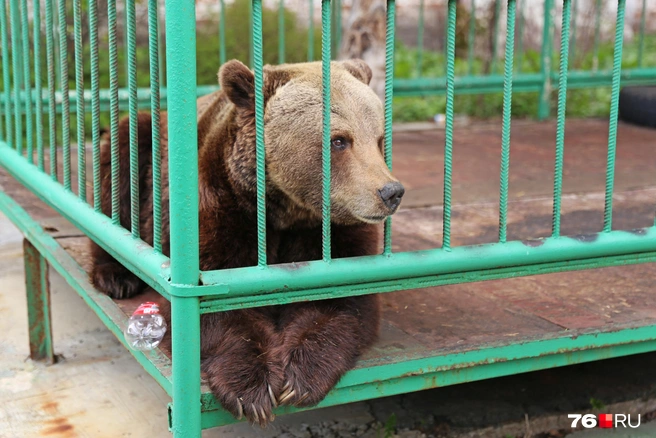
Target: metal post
[183,188]
[545,61]
[37,288]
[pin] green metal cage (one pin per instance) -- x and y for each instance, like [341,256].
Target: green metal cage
[35,88]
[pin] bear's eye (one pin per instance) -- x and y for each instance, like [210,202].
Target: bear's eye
[339,143]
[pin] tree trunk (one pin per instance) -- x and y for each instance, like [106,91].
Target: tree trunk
[364,38]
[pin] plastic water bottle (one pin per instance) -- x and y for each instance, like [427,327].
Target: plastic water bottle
[146,327]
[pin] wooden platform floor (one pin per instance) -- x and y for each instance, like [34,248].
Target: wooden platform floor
[469,316]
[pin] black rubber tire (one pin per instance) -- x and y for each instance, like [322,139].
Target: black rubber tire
[638,105]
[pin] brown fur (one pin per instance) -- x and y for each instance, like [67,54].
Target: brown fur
[297,352]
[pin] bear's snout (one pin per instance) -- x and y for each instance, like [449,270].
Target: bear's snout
[391,194]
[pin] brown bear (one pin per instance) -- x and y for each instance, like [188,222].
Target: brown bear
[256,359]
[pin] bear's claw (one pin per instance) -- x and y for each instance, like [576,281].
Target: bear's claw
[241,409]
[288,393]
[274,402]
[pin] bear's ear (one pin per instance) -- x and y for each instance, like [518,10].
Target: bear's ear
[359,69]
[238,82]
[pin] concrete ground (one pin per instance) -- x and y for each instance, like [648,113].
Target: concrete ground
[98,390]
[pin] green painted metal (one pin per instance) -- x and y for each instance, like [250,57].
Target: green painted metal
[390,17]
[25,45]
[186,368]
[132,102]
[325,138]
[614,114]
[95,103]
[79,90]
[154,362]
[183,204]
[15,58]
[63,86]
[52,116]
[506,120]
[545,61]
[8,136]
[452,369]
[37,84]
[37,288]
[148,264]
[113,102]
[153,49]
[259,133]
[448,129]
[560,127]
[193,292]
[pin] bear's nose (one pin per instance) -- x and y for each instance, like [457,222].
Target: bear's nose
[391,194]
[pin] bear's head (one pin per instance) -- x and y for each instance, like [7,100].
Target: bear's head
[362,187]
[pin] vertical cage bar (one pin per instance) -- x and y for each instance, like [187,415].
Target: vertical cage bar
[51,67]
[63,79]
[520,36]
[259,134]
[38,84]
[574,14]
[495,36]
[641,42]
[507,117]
[448,134]
[472,38]
[281,32]
[420,39]
[185,367]
[544,106]
[311,32]
[113,107]
[222,41]
[15,58]
[183,166]
[132,104]
[389,96]
[325,141]
[614,103]
[79,93]
[27,82]
[6,80]
[595,50]
[37,288]
[562,109]
[153,49]
[95,103]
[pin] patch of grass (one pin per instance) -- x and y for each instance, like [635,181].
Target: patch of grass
[596,404]
[593,102]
